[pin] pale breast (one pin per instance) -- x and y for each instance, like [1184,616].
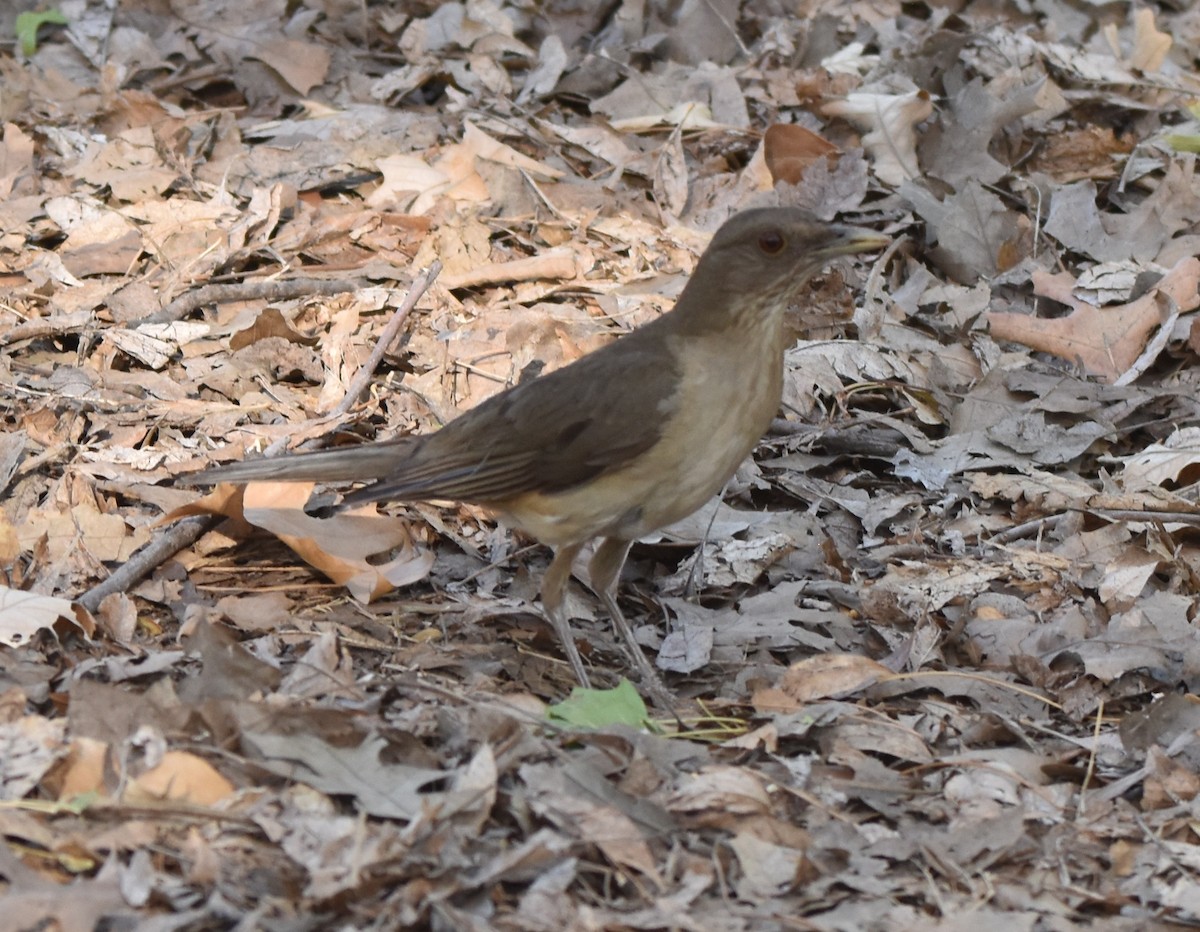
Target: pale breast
[729,391]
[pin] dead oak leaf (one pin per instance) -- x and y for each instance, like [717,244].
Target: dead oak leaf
[580,801]
[889,122]
[386,790]
[977,235]
[1104,341]
[956,148]
[409,179]
[338,546]
[790,149]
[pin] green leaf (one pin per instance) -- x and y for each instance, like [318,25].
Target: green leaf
[597,708]
[1183,142]
[28,25]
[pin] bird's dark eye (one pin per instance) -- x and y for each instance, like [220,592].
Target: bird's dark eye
[772,243]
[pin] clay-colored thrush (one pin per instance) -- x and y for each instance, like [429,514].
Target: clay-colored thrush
[624,441]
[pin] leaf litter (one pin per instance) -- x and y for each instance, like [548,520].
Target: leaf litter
[935,648]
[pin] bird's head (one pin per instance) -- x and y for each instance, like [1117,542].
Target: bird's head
[758,260]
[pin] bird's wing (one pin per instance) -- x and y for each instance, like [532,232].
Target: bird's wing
[547,435]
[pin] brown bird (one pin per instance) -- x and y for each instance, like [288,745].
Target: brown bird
[626,440]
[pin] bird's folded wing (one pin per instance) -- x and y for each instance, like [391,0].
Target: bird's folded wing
[547,435]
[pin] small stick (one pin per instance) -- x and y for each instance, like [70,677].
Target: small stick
[416,291]
[248,291]
[53,326]
[553,264]
[164,545]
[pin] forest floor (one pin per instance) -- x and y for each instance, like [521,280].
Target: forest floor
[934,652]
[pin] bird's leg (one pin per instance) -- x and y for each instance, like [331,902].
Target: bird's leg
[553,588]
[695,576]
[605,571]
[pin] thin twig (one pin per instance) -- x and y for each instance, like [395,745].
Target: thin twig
[164,545]
[362,379]
[1091,764]
[249,291]
[53,326]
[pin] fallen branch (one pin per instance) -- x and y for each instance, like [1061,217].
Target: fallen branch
[249,291]
[554,263]
[165,544]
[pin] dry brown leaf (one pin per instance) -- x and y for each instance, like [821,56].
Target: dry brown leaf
[1105,341]
[1150,46]
[180,777]
[768,870]
[117,618]
[831,675]
[16,157]
[302,64]
[338,546]
[10,543]
[1082,153]
[225,499]
[83,770]
[790,149]
[725,790]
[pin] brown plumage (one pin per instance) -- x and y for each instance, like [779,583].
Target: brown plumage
[626,440]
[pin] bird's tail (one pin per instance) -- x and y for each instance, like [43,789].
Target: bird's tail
[358,463]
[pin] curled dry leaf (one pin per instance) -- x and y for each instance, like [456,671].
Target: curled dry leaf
[338,545]
[830,675]
[24,614]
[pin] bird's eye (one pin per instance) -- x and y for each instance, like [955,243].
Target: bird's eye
[772,243]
